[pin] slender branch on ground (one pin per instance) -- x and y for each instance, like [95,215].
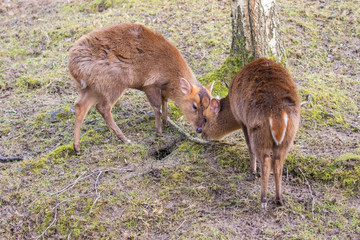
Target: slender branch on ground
[96,182]
[82,177]
[169,155]
[98,195]
[194,139]
[51,224]
[71,185]
[97,198]
[7,110]
[5,95]
[356,128]
[311,192]
[315,125]
[65,201]
[304,102]
[180,225]
[69,235]
[11,159]
[187,135]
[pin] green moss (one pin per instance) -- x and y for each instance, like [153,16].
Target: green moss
[343,172]
[17,51]
[93,6]
[62,152]
[27,83]
[5,130]
[174,111]
[223,75]
[36,164]
[191,149]
[3,82]
[326,102]
[234,157]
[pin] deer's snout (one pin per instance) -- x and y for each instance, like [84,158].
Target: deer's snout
[198,129]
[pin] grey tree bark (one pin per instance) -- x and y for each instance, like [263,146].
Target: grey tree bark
[256,30]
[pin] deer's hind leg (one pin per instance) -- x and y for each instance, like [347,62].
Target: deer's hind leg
[86,100]
[164,111]
[154,96]
[104,106]
[252,171]
[279,155]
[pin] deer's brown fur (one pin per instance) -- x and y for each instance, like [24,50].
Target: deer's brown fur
[263,101]
[107,61]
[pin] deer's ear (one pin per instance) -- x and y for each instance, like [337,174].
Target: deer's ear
[185,86]
[215,105]
[210,87]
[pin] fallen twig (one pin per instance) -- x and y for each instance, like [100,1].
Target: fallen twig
[180,225]
[169,155]
[193,139]
[355,127]
[5,95]
[69,235]
[187,135]
[304,102]
[52,223]
[311,192]
[71,185]
[308,100]
[7,111]
[315,125]
[82,177]
[97,198]
[11,159]
[96,182]
[98,195]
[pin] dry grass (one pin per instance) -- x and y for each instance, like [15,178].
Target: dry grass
[177,189]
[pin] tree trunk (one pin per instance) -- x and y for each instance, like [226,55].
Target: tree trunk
[255,30]
[255,33]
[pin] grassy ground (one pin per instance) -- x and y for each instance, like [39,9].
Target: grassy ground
[171,188]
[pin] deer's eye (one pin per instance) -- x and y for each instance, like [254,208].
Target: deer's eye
[205,120]
[194,106]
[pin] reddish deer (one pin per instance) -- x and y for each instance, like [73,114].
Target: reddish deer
[263,101]
[107,61]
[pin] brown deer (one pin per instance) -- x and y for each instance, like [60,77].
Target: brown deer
[107,61]
[263,101]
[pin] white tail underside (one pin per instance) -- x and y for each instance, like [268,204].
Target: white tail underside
[273,133]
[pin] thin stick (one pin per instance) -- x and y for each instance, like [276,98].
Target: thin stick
[69,235]
[71,185]
[197,140]
[7,111]
[68,187]
[11,159]
[96,182]
[303,103]
[180,225]
[5,95]
[98,195]
[52,223]
[97,198]
[356,128]
[311,192]
[171,154]
[65,201]
[193,139]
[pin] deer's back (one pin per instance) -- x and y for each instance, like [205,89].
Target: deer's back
[126,54]
[262,89]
